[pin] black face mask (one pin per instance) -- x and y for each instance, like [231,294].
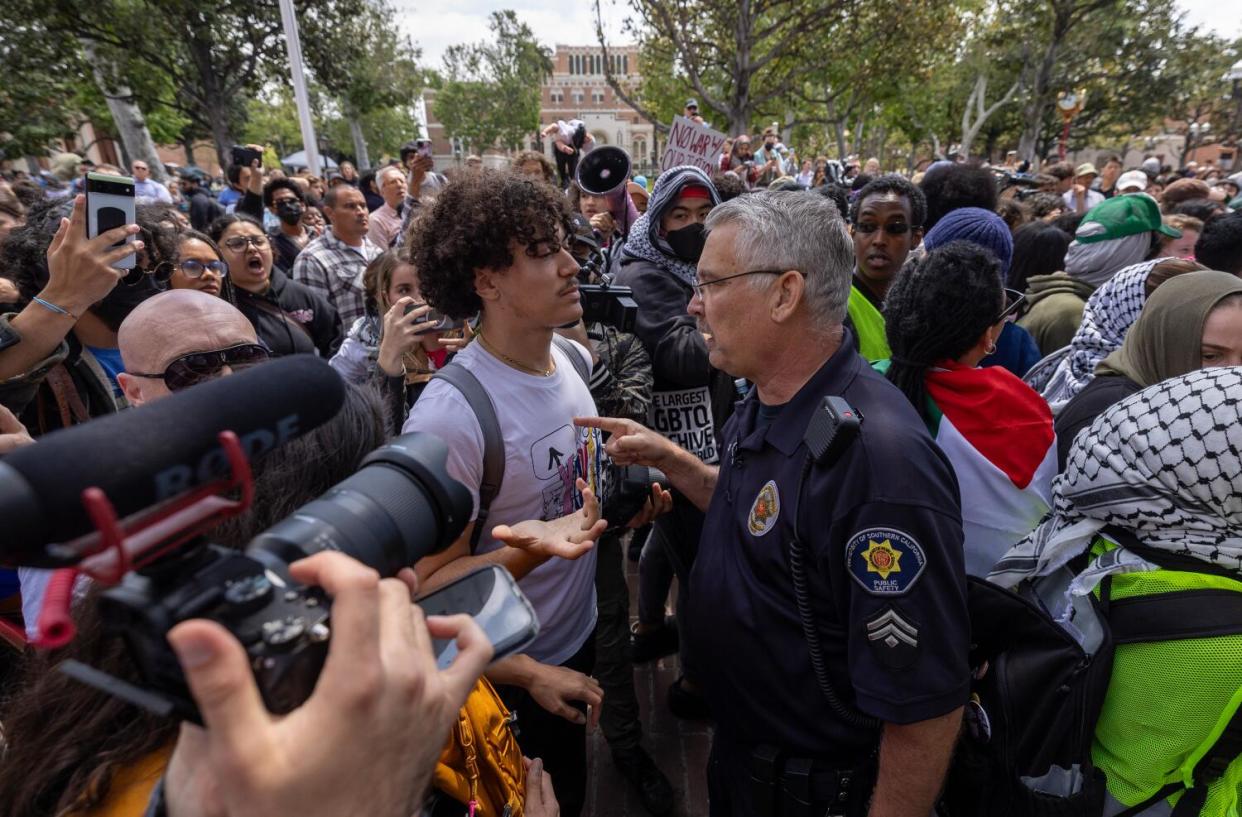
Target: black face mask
[289,211]
[118,303]
[687,243]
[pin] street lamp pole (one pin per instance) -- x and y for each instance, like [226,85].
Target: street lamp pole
[294,47]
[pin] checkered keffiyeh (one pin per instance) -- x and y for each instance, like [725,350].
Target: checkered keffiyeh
[334,269]
[1110,312]
[1165,464]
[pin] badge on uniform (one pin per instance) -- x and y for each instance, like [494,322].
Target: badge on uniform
[765,510]
[884,561]
[894,638]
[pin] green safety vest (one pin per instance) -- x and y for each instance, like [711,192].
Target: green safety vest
[869,326]
[1169,701]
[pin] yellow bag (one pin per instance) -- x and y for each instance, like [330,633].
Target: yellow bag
[482,763]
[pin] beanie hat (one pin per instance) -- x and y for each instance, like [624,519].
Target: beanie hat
[978,226]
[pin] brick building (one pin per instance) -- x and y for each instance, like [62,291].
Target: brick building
[577,89]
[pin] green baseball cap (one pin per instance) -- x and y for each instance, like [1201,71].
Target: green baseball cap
[1122,216]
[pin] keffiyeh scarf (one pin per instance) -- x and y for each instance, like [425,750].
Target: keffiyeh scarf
[644,240]
[1108,315]
[1164,464]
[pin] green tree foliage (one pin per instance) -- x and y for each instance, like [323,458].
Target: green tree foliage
[490,92]
[41,77]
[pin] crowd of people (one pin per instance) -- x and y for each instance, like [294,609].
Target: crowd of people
[868,395]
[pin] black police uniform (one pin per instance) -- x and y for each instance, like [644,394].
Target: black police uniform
[886,580]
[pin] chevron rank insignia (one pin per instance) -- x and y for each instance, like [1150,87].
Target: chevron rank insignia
[894,638]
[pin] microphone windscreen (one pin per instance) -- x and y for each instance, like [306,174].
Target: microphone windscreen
[145,455]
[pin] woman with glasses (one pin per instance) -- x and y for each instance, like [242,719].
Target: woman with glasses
[944,314]
[198,265]
[1015,349]
[288,316]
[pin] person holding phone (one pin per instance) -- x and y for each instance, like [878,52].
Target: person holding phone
[52,353]
[395,343]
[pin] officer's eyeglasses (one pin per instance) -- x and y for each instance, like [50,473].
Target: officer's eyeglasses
[698,288]
[867,228]
[1015,299]
[194,269]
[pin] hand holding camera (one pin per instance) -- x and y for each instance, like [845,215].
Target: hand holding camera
[368,734]
[407,325]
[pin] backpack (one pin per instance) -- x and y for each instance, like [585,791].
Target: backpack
[481,766]
[484,409]
[1037,693]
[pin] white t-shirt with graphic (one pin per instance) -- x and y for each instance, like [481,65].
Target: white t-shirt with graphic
[544,454]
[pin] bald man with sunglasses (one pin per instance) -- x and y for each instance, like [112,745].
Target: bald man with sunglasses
[180,338]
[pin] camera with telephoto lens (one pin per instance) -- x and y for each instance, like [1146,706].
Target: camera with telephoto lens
[626,489]
[605,302]
[399,507]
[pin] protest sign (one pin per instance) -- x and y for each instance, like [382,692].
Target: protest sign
[692,144]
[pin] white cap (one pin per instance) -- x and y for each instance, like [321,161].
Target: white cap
[1136,179]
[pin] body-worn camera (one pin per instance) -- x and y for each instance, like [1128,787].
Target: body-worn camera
[400,506]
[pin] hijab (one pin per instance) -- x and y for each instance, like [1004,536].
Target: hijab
[1164,464]
[1165,341]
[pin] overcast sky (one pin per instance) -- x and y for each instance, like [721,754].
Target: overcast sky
[434,25]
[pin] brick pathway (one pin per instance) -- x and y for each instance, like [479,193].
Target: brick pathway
[679,747]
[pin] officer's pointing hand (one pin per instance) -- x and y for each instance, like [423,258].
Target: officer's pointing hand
[631,443]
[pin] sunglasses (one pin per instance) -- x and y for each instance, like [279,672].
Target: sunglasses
[195,269]
[238,243]
[1015,300]
[199,367]
[891,229]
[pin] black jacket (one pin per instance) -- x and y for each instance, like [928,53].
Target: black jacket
[671,336]
[203,210]
[1084,407]
[291,318]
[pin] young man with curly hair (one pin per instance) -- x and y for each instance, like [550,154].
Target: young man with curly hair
[494,244]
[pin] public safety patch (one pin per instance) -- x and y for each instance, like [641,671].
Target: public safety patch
[885,561]
[894,638]
[765,510]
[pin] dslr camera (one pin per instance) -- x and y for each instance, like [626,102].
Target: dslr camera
[602,301]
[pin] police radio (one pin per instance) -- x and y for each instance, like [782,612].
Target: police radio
[833,426]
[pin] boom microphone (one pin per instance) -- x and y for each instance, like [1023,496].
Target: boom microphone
[143,456]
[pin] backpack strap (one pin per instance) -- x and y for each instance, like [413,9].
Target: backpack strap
[574,353]
[1176,615]
[1165,559]
[461,378]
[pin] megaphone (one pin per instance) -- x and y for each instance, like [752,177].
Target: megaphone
[603,170]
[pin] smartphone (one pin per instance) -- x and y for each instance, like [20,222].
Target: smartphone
[424,149]
[244,156]
[443,322]
[110,204]
[492,598]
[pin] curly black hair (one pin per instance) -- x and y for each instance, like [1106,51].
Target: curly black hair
[953,186]
[23,256]
[1220,244]
[899,185]
[938,308]
[1042,204]
[475,224]
[269,190]
[838,195]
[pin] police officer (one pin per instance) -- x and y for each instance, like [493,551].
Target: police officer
[828,619]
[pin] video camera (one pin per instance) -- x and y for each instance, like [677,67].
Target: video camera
[626,489]
[604,302]
[169,468]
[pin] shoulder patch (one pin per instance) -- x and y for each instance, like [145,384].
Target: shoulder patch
[765,510]
[884,561]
